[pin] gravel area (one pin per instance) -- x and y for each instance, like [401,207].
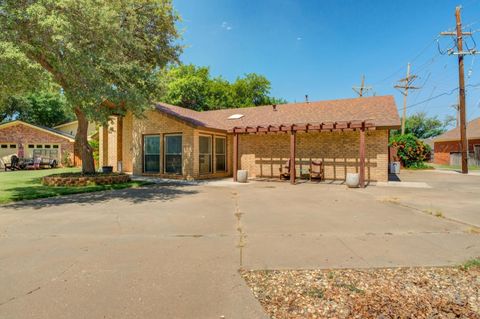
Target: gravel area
[368,293]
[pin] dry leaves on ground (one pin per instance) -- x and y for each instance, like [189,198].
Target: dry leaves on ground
[373,293]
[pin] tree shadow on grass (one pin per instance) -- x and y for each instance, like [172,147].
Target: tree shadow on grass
[136,195]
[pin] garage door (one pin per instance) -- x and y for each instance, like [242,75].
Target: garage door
[6,151]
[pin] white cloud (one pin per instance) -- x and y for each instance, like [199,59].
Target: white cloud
[225,25]
[299,38]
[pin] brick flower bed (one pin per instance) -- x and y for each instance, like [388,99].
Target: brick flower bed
[83,180]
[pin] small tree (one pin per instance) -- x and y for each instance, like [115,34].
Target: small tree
[410,150]
[103,54]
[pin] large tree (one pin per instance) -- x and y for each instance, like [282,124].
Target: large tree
[193,87]
[422,126]
[105,55]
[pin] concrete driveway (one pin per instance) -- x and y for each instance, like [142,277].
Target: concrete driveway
[173,251]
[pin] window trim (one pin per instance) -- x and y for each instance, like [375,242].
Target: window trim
[159,155]
[212,170]
[164,151]
[224,138]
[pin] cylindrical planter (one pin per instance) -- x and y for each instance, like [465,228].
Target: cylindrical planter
[242,176]
[107,169]
[353,179]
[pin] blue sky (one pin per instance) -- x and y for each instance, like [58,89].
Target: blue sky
[321,48]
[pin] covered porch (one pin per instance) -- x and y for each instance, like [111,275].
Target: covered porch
[314,140]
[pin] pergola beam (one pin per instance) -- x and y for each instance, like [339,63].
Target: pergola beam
[342,126]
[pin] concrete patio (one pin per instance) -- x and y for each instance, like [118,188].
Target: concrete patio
[173,250]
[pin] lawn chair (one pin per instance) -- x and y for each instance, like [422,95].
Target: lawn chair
[14,163]
[316,170]
[285,170]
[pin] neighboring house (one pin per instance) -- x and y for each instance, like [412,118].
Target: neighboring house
[33,140]
[175,142]
[71,128]
[447,145]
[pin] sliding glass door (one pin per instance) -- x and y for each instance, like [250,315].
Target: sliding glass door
[151,153]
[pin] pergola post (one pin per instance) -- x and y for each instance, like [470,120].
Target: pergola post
[293,142]
[362,158]
[235,156]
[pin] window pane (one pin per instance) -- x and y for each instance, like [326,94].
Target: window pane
[152,154]
[152,163]
[55,146]
[205,145]
[173,164]
[173,144]
[205,162]
[220,163]
[205,157]
[152,145]
[220,145]
[48,146]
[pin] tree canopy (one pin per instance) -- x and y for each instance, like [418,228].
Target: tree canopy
[422,126]
[194,88]
[105,55]
[41,108]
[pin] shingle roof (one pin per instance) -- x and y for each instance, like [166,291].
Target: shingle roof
[48,129]
[473,132]
[381,110]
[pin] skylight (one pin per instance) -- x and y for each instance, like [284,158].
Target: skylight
[235,116]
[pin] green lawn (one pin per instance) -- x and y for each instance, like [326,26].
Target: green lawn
[455,167]
[21,185]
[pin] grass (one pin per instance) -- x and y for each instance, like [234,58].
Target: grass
[472,263]
[455,167]
[22,185]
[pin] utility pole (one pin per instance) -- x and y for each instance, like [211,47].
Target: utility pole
[461,84]
[360,89]
[457,112]
[406,84]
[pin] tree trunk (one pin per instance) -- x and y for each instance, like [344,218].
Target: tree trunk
[81,143]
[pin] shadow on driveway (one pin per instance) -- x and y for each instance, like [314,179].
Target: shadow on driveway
[133,195]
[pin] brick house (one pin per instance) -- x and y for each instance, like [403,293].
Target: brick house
[34,140]
[174,142]
[447,146]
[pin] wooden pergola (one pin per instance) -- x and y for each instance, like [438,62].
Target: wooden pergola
[292,129]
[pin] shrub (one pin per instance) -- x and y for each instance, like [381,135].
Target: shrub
[412,151]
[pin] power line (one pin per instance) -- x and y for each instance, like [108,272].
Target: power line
[442,94]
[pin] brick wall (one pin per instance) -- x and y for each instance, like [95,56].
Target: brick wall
[156,123]
[20,133]
[262,155]
[442,150]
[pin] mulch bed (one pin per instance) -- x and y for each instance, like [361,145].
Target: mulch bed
[397,293]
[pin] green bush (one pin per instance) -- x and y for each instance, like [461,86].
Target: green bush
[411,151]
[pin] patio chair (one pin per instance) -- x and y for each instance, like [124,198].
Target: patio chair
[14,163]
[316,170]
[285,170]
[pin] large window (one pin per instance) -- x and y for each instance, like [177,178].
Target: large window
[173,154]
[220,154]
[151,153]
[205,157]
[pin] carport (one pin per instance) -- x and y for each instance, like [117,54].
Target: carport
[293,129]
